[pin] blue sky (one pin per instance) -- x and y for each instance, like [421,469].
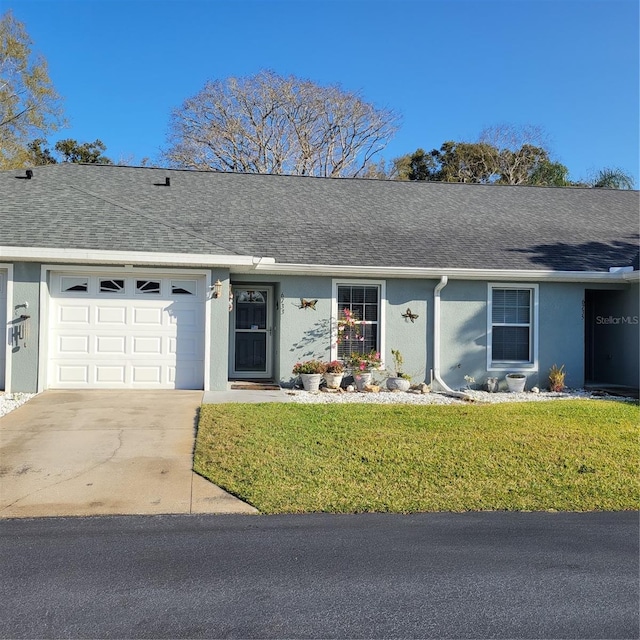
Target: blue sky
[449,67]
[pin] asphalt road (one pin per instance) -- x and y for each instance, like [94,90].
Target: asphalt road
[482,575]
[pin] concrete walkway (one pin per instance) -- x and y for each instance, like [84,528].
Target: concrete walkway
[80,453]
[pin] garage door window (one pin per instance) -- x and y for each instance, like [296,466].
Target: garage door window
[184,287]
[148,286]
[74,284]
[111,286]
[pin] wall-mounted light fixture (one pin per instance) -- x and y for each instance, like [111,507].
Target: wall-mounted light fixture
[217,289]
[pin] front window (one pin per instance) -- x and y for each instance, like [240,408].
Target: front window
[511,325]
[358,318]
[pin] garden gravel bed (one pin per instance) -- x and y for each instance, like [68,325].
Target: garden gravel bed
[11,401]
[400,397]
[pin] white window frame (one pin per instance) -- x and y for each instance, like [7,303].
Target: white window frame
[335,314]
[514,365]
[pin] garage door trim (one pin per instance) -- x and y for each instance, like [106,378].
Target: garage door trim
[47,294]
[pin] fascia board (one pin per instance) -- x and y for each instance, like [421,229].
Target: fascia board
[100,256]
[513,275]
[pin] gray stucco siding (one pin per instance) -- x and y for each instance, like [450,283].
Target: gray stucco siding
[558,335]
[24,357]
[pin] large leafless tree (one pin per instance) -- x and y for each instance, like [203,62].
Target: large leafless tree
[267,123]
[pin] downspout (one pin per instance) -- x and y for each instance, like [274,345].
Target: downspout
[444,387]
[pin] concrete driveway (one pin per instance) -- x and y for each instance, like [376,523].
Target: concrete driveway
[79,453]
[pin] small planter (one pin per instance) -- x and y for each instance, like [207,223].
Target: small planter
[516,382]
[311,381]
[362,379]
[333,380]
[398,384]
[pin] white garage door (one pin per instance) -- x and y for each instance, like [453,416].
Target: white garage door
[3,324]
[112,331]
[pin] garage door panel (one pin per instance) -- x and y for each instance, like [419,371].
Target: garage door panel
[73,314]
[107,374]
[75,344]
[126,339]
[111,315]
[147,316]
[72,374]
[109,345]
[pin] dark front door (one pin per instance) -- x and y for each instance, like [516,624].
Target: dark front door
[252,332]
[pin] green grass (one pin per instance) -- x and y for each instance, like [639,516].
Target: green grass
[292,458]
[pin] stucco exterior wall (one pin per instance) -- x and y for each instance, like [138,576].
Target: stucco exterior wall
[304,334]
[559,334]
[24,354]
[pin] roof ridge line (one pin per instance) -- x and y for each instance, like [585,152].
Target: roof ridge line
[149,217]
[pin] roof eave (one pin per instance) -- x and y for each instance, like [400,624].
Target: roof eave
[528,275]
[146,258]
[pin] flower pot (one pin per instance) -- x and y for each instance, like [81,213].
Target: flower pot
[362,379]
[398,384]
[516,382]
[311,381]
[333,380]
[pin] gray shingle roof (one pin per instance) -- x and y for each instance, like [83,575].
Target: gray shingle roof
[319,220]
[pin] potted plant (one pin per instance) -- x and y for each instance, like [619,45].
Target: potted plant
[334,373]
[556,378]
[361,365]
[400,381]
[310,372]
[516,382]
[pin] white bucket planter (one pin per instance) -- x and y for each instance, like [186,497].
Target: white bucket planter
[333,380]
[398,384]
[311,381]
[362,379]
[516,382]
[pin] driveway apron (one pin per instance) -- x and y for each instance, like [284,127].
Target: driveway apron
[79,453]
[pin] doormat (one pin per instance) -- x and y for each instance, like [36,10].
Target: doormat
[255,386]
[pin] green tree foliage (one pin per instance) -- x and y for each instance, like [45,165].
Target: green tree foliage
[86,152]
[608,178]
[268,123]
[67,150]
[29,105]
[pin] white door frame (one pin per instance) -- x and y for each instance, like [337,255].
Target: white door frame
[127,270]
[268,331]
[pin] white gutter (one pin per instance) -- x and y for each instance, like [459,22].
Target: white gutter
[523,275]
[436,343]
[100,256]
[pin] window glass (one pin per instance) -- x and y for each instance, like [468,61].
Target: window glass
[184,287]
[77,284]
[511,325]
[148,286]
[358,318]
[111,286]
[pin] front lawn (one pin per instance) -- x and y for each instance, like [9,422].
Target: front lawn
[577,455]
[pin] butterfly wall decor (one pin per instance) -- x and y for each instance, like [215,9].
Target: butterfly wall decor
[410,316]
[307,304]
